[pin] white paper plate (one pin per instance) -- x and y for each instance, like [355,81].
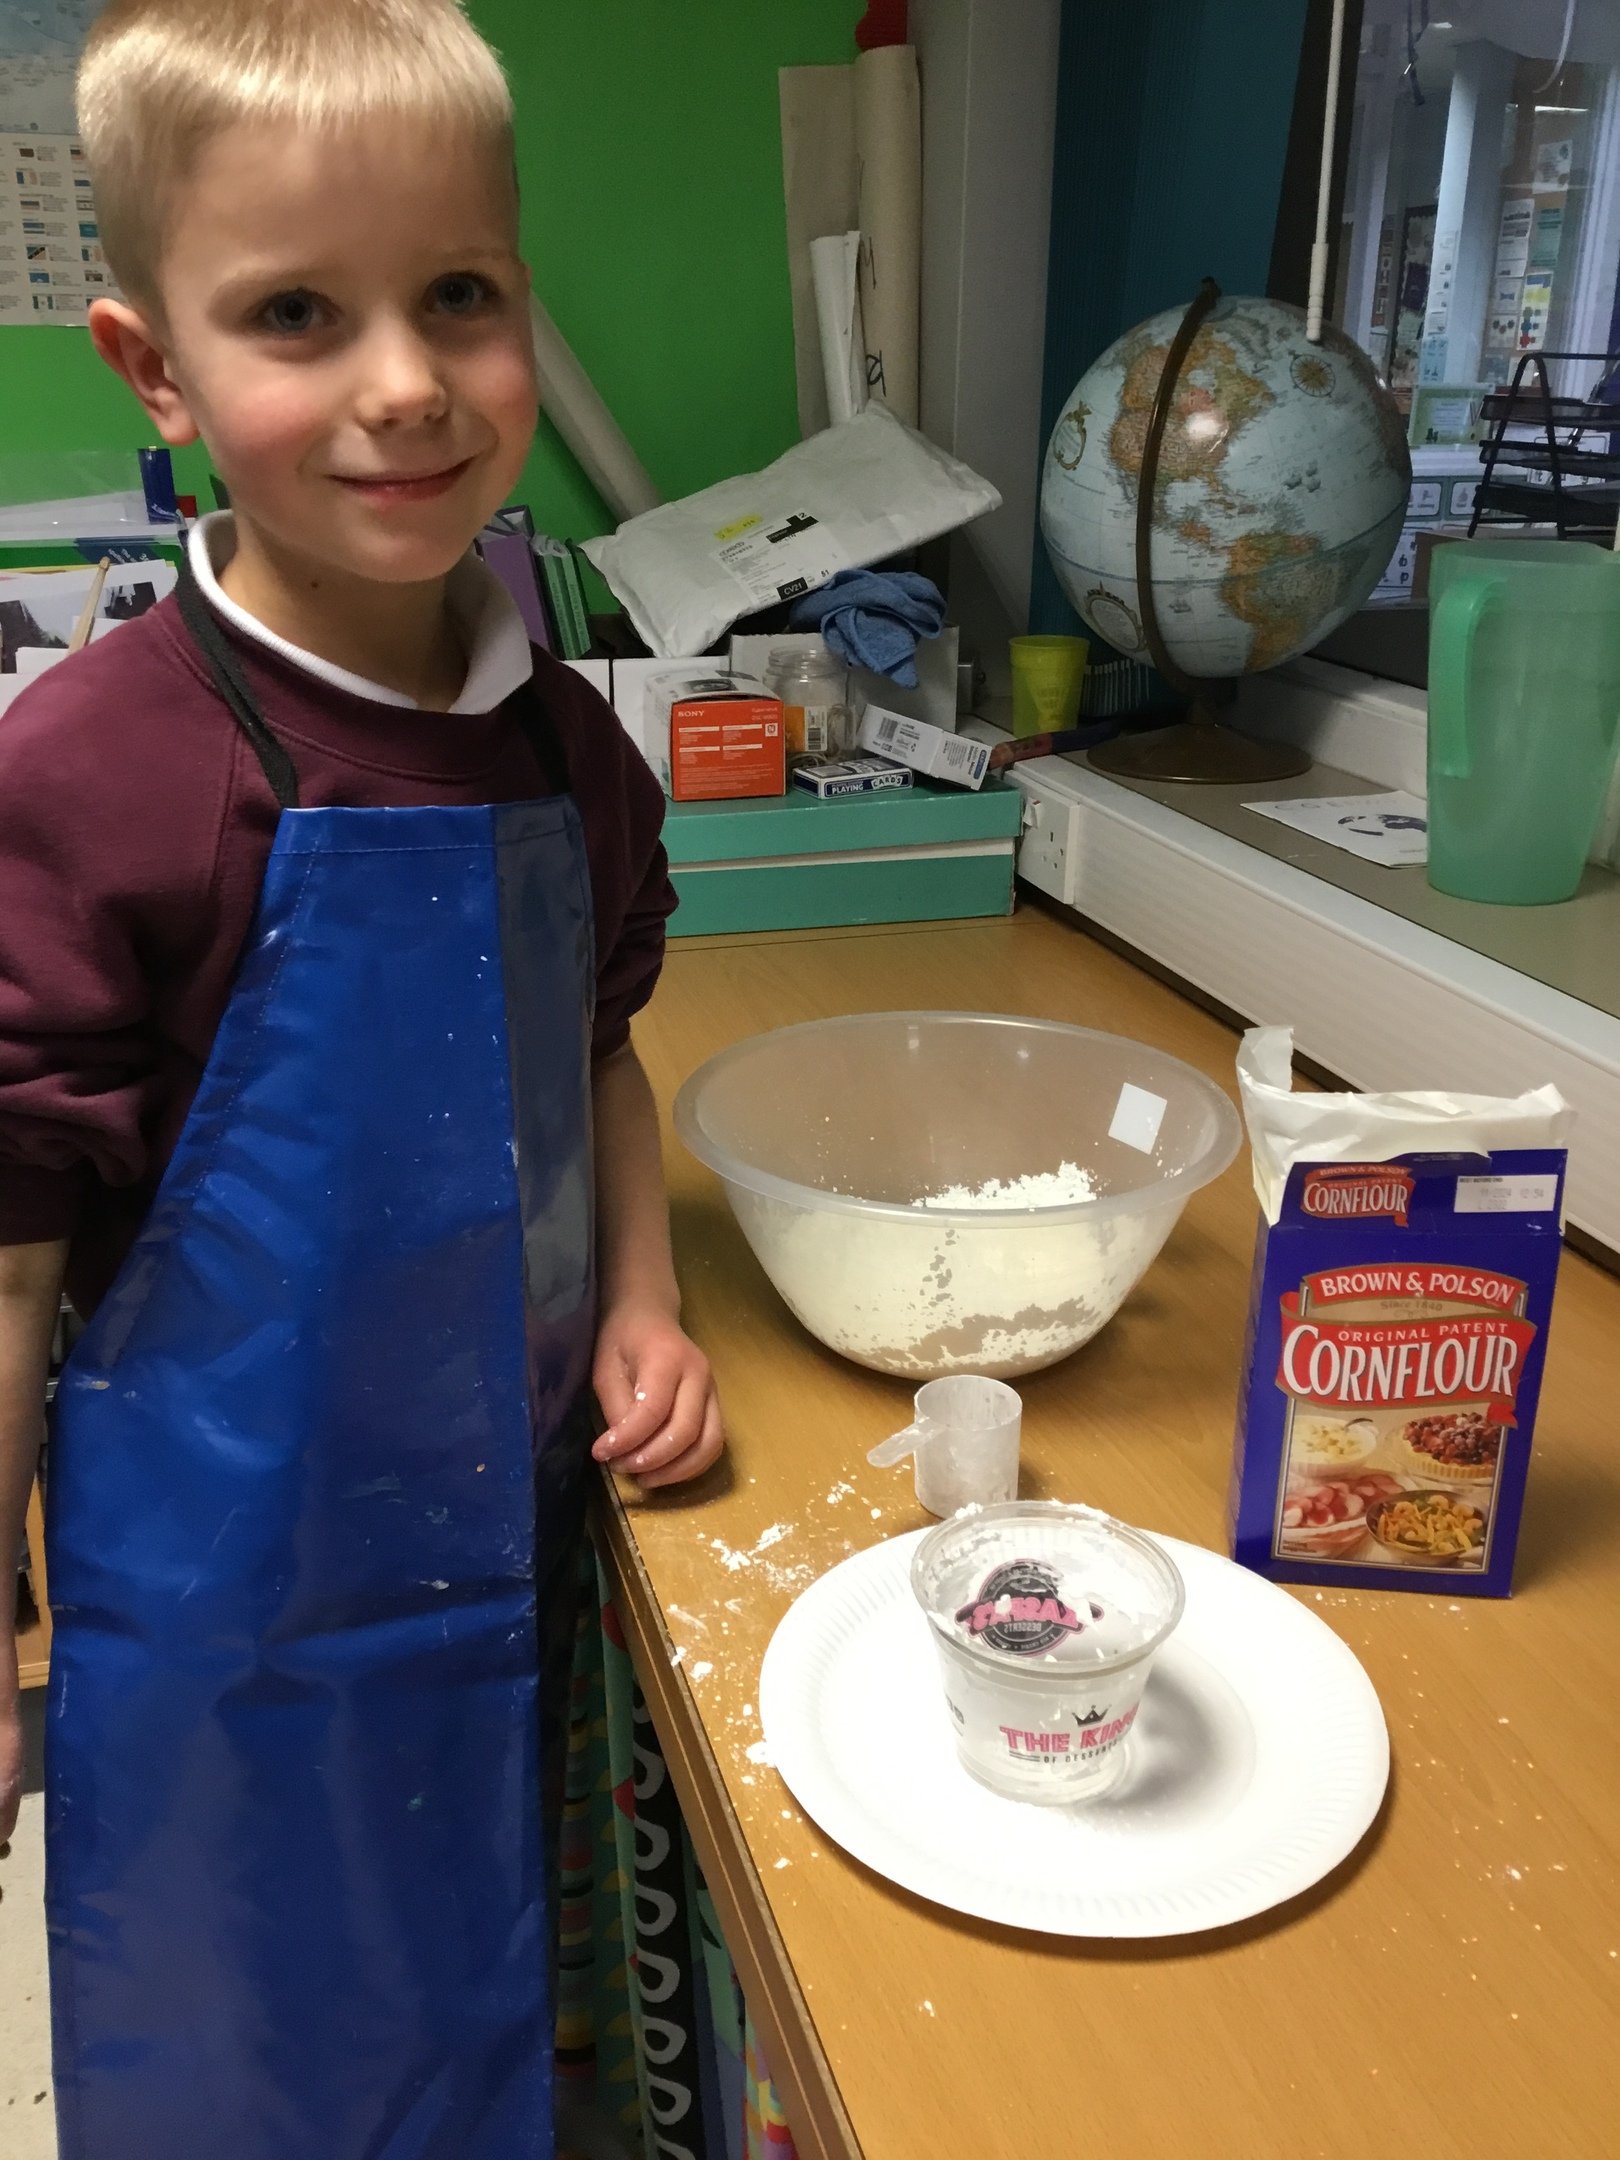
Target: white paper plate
[1258,1761]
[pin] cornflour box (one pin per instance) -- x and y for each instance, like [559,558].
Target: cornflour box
[1396,1338]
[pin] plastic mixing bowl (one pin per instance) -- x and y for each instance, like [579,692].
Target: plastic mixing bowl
[828,1137]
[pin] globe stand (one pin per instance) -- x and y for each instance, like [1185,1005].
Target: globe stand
[1199,747]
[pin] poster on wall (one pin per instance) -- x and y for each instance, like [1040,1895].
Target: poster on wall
[1534,312]
[51,261]
[1513,236]
[1502,322]
[1383,282]
[1442,276]
[1411,299]
[1555,161]
[1546,240]
[1505,314]
[40,45]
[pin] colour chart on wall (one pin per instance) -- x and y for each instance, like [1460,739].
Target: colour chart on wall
[51,263]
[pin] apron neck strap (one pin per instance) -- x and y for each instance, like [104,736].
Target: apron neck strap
[545,744]
[211,641]
[278,768]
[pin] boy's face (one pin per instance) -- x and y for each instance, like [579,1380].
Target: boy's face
[345,322]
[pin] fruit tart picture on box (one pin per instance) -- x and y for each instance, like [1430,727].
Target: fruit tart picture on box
[1384,1461]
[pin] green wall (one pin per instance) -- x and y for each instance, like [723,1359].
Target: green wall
[650,155]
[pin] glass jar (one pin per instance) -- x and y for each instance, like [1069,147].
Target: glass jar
[818,715]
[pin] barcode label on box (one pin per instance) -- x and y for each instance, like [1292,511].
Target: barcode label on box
[963,759]
[1506,1195]
[929,749]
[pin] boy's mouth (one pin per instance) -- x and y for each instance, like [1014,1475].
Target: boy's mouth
[403,487]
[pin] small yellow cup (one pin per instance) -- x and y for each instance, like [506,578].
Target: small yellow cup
[1048,674]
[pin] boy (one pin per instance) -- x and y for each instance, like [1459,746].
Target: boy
[325,907]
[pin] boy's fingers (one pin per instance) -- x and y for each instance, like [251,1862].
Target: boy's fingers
[11,1776]
[640,1423]
[691,1461]
[614,1394]
[707,1452]
[619,1406]
[681,1431]
[648,1407]
[615,1389]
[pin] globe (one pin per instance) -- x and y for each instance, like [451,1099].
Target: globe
[1282,484]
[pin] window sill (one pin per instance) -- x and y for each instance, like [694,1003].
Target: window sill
[1369,726]
[1383,1001]
[1362,724]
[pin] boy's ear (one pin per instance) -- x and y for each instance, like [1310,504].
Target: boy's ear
[129,343]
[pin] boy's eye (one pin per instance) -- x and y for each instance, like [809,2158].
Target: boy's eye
[291,313]
[461,292]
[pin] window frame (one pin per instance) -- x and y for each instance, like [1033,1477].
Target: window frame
[1369,641]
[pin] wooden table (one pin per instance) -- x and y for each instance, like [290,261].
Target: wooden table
[1454,1989]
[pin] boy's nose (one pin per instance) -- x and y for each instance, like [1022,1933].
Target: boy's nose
[401,384]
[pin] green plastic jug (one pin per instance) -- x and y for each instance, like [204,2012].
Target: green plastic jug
[1524,710]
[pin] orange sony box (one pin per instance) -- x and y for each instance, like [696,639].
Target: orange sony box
[725,741]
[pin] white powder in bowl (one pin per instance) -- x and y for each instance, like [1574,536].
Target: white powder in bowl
[1002,1296]
[1041,1188]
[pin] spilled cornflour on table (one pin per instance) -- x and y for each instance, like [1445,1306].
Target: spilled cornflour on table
[783,1575]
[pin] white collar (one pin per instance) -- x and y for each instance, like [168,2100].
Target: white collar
[498,657]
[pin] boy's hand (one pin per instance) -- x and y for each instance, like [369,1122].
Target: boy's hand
[30,1295]
[655,1386]
[11,1750]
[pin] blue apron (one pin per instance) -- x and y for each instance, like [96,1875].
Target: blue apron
[315,1484]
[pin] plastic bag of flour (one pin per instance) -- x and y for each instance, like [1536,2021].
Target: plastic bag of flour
[852,495]
[1286,1128]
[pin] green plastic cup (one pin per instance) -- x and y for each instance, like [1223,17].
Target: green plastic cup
[1048,675]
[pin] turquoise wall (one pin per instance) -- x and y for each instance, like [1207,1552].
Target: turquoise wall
[649,149]
[1172,129]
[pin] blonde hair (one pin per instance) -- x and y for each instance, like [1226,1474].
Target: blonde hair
[160,78]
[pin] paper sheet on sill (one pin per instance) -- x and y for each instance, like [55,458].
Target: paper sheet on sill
[1391,829]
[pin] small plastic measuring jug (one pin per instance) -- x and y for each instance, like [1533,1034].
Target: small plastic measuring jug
[1524,712]
[963,1441]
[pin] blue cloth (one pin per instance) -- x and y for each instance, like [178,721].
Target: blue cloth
[312,1465]
[875,619]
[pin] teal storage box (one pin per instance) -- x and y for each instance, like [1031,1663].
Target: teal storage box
[792,863]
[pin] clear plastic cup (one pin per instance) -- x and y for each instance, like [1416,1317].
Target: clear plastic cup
[1047,1619]
[963,1443]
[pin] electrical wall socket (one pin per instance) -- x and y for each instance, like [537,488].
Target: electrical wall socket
[1047,851]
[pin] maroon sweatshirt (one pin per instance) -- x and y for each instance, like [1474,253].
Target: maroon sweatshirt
[135,824]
